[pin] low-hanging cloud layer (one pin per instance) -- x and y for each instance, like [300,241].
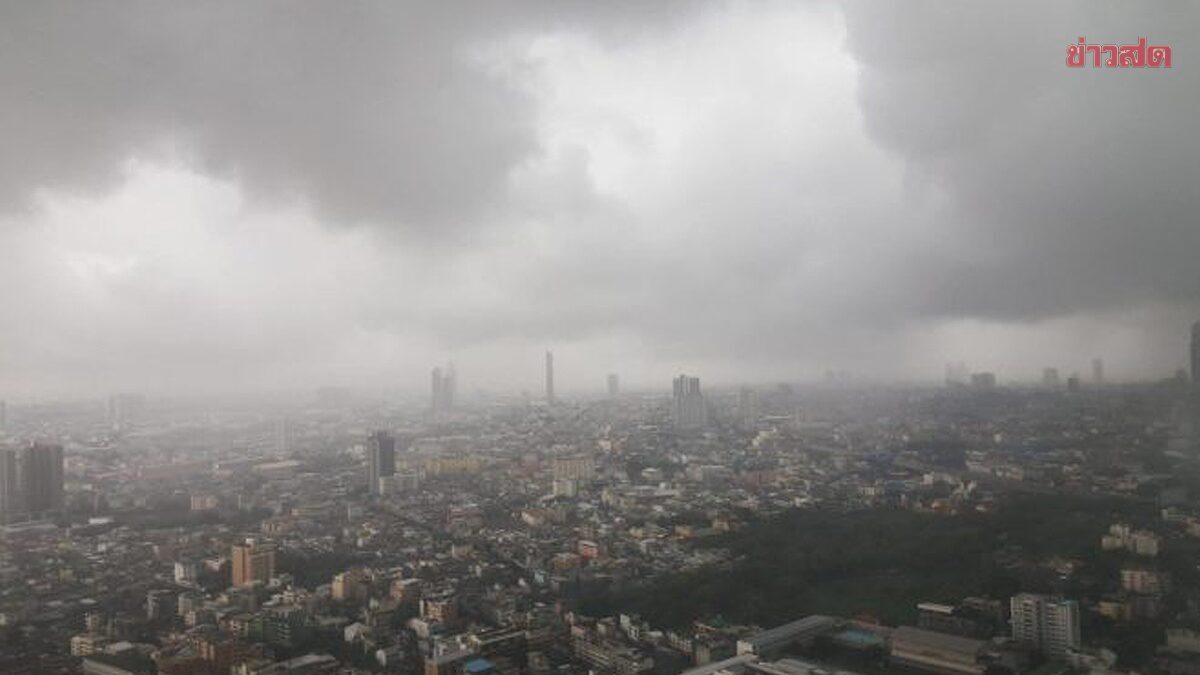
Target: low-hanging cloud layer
[278,195]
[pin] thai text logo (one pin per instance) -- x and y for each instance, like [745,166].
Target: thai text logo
[1118,56]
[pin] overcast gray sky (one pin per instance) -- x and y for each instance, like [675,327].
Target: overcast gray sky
[273,195]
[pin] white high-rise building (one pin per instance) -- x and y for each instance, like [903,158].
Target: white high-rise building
[1049,623]
[688,409]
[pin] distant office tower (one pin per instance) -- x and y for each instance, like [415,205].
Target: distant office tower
[3,415]
[123,409]
[549,377]
[441,389]
[688,410]
[1098,371]
[983,380]
[747,408]
[252,562]
[449,387]
[614,385]
[41,477]
[1049,623]
[1050,377]
[285,433]
[1073,382]
[957,374]
[9,504]
[1196,353]
[381,459]
[435,389]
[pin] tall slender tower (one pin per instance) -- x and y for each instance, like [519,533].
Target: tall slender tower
[8,484]
[614,384]
[549,377]
[747,407]
[449,386]
[1098,371]
[1196,353]
[381,459]
[436,392]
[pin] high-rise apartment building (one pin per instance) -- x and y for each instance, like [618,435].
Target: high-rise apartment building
[40,471]
[442,385]
[984,380]
[1196,353]
[550,377]
[688,409]
[252,562]
[1049,623]
[747,408]
[436,389]
[1050,377]
[381,459]
[123,409]
[285,434]
[9,502]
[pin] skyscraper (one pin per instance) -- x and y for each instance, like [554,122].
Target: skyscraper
[442,384]
[449,386]
[381,459]
[1050,377]
[1049,623]
[747,408]
[549,377]
[252,562]
[436,397]
[41,477]
[123,409]
[1097,370]
[8,484]
[3,415]
[614,385]
[957,374]
[688,410]
[285,433]
[1196,353]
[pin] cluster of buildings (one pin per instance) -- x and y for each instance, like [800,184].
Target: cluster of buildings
[343,536]
[31,482]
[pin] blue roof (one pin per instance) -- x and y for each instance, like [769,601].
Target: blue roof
[479,666]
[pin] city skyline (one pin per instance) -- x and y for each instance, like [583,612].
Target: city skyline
[514,337]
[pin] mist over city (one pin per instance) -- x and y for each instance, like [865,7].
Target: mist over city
[721,337]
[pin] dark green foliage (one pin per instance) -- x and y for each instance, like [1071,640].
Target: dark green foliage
[880,562]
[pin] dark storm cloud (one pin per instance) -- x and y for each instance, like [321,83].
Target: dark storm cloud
[366,112]
[1069,189]
[743,189]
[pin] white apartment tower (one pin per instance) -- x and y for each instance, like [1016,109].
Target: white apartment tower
[1049,623]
